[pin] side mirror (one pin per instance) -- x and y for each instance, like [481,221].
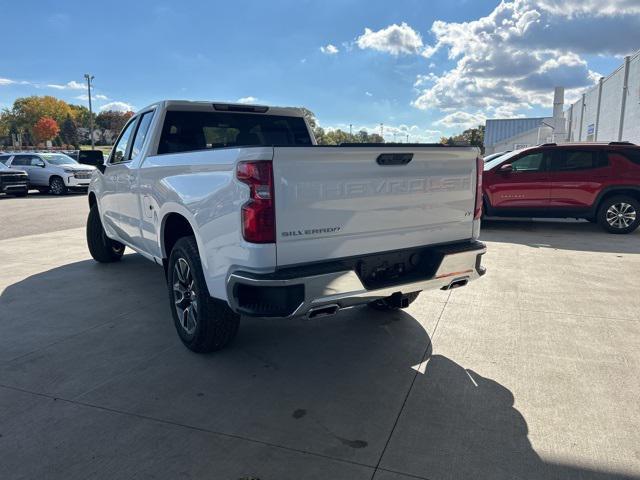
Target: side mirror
[41,165]
[506,168]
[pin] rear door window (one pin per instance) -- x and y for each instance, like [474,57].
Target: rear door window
[572,160]
[21,161]
[189,131]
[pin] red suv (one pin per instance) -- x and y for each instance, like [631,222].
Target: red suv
[599,182]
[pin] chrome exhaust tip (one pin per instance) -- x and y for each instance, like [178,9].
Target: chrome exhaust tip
[323,311]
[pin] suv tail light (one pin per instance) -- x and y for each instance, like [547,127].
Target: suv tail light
[258,214]
[479,169]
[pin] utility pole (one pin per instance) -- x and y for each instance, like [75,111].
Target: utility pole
[89,79]
[382,130]
[350,129]
[407,138]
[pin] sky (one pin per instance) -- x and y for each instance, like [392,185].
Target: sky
[423,68]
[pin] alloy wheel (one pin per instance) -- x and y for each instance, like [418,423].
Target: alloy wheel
[185,296]
[621,215]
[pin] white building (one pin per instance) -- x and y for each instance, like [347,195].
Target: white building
[610,111]
[516,133]
[607,112]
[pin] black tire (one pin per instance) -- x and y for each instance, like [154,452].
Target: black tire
[204,324]
[619,214]
[57,186]
[383,304]
[101,247]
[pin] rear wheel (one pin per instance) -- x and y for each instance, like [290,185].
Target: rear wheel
[101,247]
[619,214]
[389,303]
[57,186]
[204,324]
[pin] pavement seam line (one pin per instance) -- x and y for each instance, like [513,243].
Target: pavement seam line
[189,427]
[406,397]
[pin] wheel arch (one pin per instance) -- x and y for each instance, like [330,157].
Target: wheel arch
[173,227]
[630,190]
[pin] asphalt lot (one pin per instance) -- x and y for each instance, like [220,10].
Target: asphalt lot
[529,373]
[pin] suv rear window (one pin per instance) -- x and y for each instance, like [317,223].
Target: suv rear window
[189,131]
[567,160]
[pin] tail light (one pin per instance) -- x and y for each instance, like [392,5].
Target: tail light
[258,214]
[479,169]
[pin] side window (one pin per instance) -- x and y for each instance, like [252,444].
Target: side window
[120,149]
[534,162]
[4,159]
[631,155]
[36,161]
[20,161]
[141,133]
[570,160]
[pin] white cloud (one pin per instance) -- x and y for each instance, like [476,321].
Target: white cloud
[72,85]
[6,81]
[368,94]
[329,49]
[461,119]
[85,97]
[247,100]
[394,39]
[117,107]
[510,60]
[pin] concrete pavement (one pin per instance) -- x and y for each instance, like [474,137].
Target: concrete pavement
[531,372]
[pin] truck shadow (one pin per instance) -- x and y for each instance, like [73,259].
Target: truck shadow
[334,387]
[563,235]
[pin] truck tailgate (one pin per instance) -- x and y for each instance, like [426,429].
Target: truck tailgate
[335,202]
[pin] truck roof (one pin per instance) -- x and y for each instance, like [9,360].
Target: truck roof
[190,105]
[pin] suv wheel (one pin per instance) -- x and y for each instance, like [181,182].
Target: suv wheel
[619,214]
[101,247]
[204,324]
[57,186]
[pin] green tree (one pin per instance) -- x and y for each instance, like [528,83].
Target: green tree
[69,131]
[471,136]
[112,120]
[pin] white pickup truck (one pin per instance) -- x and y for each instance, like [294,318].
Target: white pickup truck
[249,216]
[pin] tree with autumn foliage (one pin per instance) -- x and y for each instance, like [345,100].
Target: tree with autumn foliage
[45,129]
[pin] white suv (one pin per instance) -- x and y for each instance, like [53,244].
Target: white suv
[55,173]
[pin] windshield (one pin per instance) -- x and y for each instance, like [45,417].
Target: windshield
[493,156]
[58,159]
[497,161]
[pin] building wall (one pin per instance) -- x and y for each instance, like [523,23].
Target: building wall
[585,124]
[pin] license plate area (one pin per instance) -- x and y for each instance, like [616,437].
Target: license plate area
[394,268]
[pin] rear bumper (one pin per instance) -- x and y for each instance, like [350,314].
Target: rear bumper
[299,291]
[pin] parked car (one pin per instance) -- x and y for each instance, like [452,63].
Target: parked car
[597,182]
[248,216]
[493,156]
[13,181]
[55,173]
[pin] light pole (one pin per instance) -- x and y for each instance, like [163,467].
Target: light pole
[89,79]
[350,129]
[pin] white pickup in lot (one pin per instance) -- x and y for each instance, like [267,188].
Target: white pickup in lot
[249,216]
